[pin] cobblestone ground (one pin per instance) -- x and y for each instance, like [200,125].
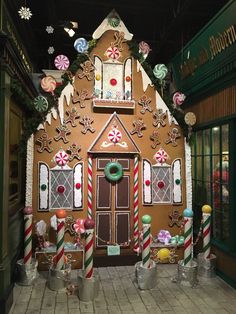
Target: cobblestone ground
[118,293]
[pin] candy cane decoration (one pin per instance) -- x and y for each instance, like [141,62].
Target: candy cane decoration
[28,217]
[206,222]
[90,164]
[136,233]
[188,236]
[146,220]
[88,264]
[61,215]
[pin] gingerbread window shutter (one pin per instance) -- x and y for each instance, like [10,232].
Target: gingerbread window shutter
[147,182]
[43,171]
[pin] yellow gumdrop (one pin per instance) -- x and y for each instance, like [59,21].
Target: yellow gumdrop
[98,77]
[206,209]
[163,254]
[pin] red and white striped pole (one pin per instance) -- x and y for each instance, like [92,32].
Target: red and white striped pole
[188,236]
[146,261]
[136,209]
[89,232]
[90,186]
[60,258]
[28,219]
[206,224]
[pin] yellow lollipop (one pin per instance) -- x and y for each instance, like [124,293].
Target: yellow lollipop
[163,254]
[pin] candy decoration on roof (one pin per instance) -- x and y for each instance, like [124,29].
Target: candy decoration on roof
[144,48]
[113,53]
[114,20]
[62,62]
[40,103]
[25,13]
[160,71]
[161,156]
[178,98]
[81,45]
[48,84]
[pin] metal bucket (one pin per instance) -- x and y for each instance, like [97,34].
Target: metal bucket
[27,273]
[186,275]
[58,279]
[206,267]
[88,288]
[146,277]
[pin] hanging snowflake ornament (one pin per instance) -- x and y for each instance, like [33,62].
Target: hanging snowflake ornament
[25,13]
[51,50]
[49,29]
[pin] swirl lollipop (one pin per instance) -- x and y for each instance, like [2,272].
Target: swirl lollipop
[62,62]
[40,103]
[81,45]
[48,84]
[178,98]
[160,71]
[144,48]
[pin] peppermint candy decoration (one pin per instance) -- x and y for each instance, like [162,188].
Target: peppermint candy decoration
[161,156]
[62,62]
[40,103]
[61,158]
[113,53]
[48,84]
[114,136]
[81,45]
[144,48]
[178,98]
[160,71]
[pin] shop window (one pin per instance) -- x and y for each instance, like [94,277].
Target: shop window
[16,162]
[211,181]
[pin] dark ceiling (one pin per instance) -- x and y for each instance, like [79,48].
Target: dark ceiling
[166,25]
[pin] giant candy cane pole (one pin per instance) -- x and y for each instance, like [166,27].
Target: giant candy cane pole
[188,236]
[90,187]
[146,220]
[206,221]
[136,233]
[88,264]
[28,217]
[60,259]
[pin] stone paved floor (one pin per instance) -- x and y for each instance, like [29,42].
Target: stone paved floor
[118,293]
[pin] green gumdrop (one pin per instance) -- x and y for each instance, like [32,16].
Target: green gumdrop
[177,181]
[43,187]
[146,219]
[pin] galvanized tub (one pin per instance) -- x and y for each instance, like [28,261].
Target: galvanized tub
[59,279]
[186,275]
[146,277]
[206,267]
[88,288]
[27,273]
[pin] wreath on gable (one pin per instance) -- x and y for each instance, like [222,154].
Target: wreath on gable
[113,171]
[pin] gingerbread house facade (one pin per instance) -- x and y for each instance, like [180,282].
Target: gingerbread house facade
[111,150]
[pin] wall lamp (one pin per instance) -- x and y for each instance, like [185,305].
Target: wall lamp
[69,28]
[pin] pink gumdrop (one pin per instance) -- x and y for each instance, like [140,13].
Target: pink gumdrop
[89,224]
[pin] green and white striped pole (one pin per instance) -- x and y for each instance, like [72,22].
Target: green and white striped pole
[146,220]
[188,236]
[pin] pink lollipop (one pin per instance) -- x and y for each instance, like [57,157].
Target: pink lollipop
[62,62]
[144,48]
[61,158]
[48,84]
[178,98]
[113,53]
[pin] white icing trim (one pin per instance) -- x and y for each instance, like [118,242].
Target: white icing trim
[78,178]
[160,104]
[105,26]
[98,70]
[147,189]
[188,174]
[43,179]
[66,93]
[176,174]
[128,72]
[145,77]
[29,171]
